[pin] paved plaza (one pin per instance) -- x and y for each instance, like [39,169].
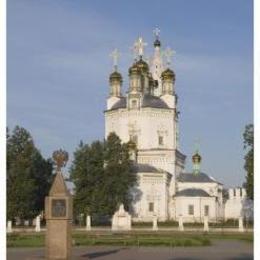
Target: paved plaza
[221,249]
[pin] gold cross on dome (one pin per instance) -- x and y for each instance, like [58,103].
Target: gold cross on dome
[156,32]
[115,54]
[139,46]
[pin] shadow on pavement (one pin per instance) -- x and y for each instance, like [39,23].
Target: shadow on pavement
[242,257]
[185,258]
[102,253]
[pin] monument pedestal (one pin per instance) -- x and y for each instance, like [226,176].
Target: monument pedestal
[58,240]
[58,214]
[121,219]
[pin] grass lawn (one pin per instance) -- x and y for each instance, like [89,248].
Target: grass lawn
[127,239]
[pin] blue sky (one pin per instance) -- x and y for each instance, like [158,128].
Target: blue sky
[58,68]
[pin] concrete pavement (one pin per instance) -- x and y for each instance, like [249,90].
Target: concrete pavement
[221,249]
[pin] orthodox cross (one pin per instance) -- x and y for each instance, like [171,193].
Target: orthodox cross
[156,32]
[139,46]
[168,53]
[134,51]
[115,54]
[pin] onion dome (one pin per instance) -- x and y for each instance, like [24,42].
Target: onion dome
[142,65]
[157,43]
[168,74]
[115,76]
[196,158]
[133,69]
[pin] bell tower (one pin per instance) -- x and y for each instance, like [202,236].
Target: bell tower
[156,63]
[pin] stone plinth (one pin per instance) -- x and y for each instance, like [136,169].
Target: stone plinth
[181,227]
[88,223]
[38,224]
[58,214]
[240,224]
[155,223]
[206,224]
[121,219]
[9,227]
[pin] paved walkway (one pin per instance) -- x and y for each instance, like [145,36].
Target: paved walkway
[149,229]
[221,249]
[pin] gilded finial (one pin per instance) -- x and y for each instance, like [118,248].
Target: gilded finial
[196,159]
[139,46]
[60,158]
[115,55]
[156,32]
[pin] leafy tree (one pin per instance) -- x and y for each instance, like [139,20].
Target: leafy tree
[102,176]
[28,176]
[249,159]
[87,172]
[119,177]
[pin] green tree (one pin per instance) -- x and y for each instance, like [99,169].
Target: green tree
[249,159]
[119,177]
[28,176]
[102,176]
[86,173]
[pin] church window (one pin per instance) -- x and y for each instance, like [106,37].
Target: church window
[234,191]
[160,140]
[206,210]
[151,207]
[191,210]
[240,192]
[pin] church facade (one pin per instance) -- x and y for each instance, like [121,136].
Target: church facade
[147,117]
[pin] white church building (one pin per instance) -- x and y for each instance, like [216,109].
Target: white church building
[147,115]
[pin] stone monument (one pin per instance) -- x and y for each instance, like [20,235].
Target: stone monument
[121,219]
[181,227]
[88,223]
[38,224]
[206,224]
[155,224]
[58,214]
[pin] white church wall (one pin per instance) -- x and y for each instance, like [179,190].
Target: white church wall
[233,208]
[148,124]
[153,198]
[198,204]
[238,205]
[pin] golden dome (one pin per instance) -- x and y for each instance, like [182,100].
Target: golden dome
[142,65]
[115,76]
[133,69]
[196,158]
[168,74]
